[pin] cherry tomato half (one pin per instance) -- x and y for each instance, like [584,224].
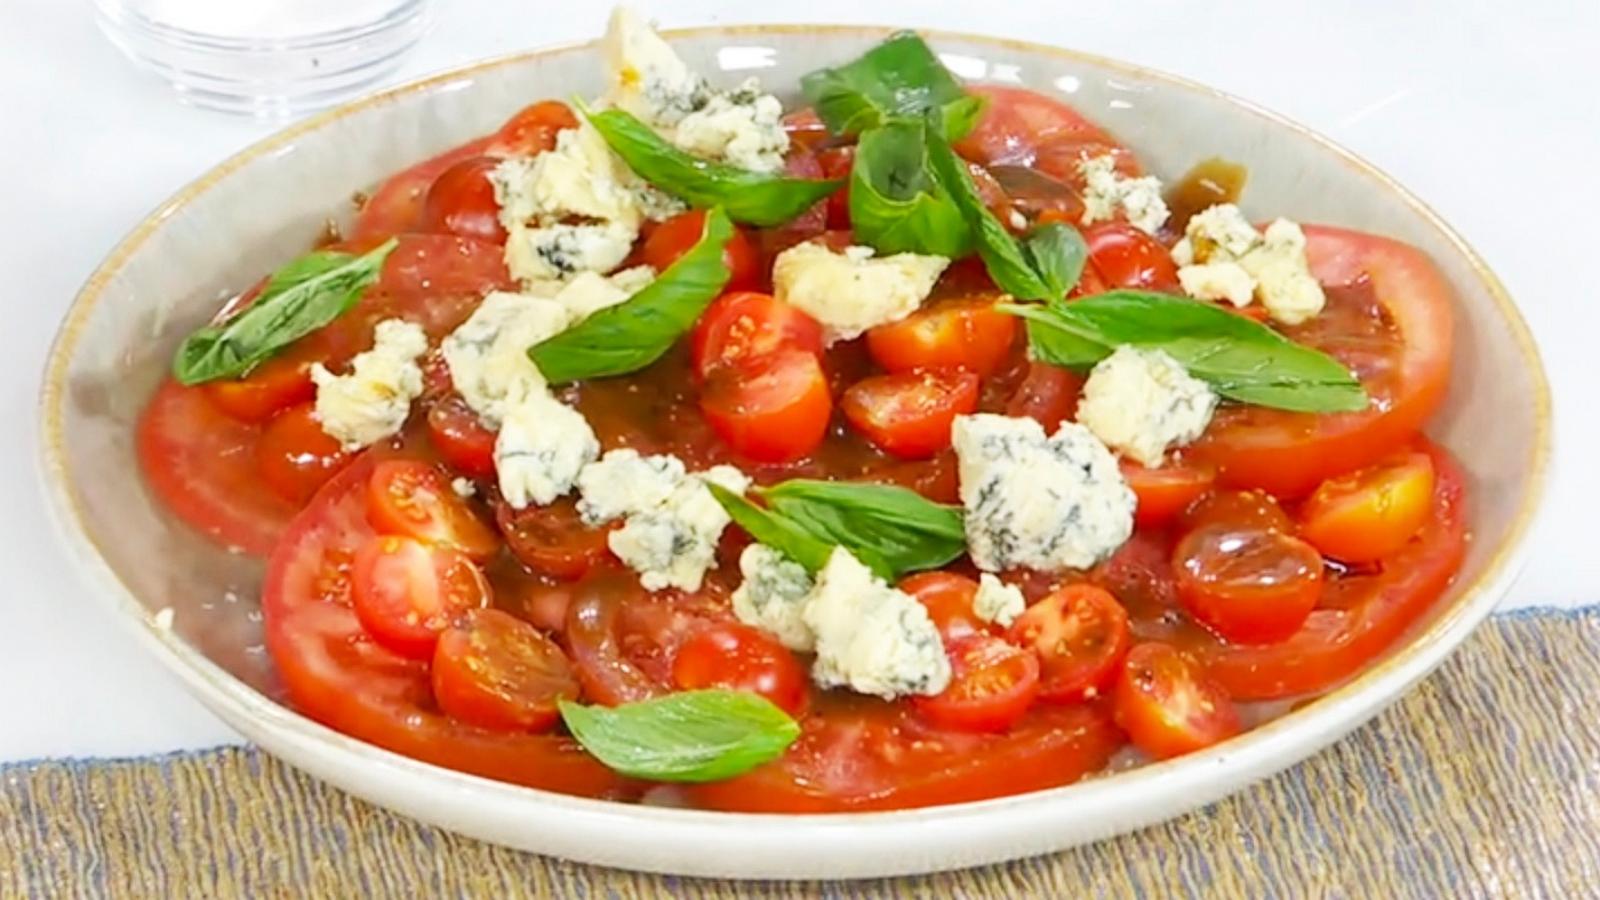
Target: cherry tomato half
[909,414]
[771,409]
[742,326]
[1256,509]
[275,385]
[406,592]
[674,237]
[957,333]
[992,684]
[1372,512]
[295,456]
[740,658]
[461,201]
[1048,395]
[533,129]
[461,438]
[1125,257]
[948,598]
[1165,492]
[552,539]
[493,670]
[1168,705]
[1080,633]
[413,498]
[1249,584]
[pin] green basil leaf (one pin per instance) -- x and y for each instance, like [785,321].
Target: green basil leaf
[899,78]
[1242,359]
[778,532]
[754,197]
[635,333]
[891,529]
[299,298]
[896,205]
[1057,254]
[690,736]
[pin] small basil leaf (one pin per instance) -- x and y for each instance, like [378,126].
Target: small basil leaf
[754,197]
[896,205]
[778,532]
[899,78]
[299,298]
[635,333]
[1242,359]
[690,736]
[891,529]
[1057,253]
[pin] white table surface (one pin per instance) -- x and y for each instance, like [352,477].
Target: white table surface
[1485,109]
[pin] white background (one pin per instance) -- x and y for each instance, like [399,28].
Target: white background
[1487,110]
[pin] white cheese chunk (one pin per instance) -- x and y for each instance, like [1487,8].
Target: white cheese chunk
[463,487]
[1037,502]
[1218,281]
[743,127]
[1141,402]
[853,291]
[588,293]
[1223,257]
[561,250]
[870,637]
[579,178]
[774,595]
[1219,232]
[1108,191]
[488,353]
[542,445]
[648,79]
[371,401]
[997,601]
[1283,276]
[673,544]
[623,482]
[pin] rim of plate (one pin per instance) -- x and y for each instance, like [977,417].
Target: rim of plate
[1188,781]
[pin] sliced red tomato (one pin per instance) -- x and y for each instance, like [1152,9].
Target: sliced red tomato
[956,333]
[948,598]
[1048,394]
[1249,584]
[836,163]
[1125,257]
[334,672]
[1167,704]
[413,498]
[434,280]
[1026,128]
[857,754]
[772,409]
[992,684]
[624,641]
[295,456]
[1080,633]
[1167,491]
[406,592]
[533,129]
[741,327]
[1370,513]
[552,539]
[496,671]
[674,237]
[460,437]
[909,414]
[461,201]
[740,658]
[271,388]
[1390,318]
[395,207]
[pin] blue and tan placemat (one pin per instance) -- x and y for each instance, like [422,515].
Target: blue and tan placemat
[1483,782]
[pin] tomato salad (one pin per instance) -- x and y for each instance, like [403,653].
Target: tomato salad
[910,447]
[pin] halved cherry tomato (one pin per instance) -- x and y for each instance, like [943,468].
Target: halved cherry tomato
[674,237]
[1249,584]
[771,409]
[1168,705]
[461,201]
[1370,513]
[533,129]
[909,414]
[493,670]
[1026,128]
[742,326]
[948,598]
[992,684]
[1165,492]
[461,438]
[295,456]
[1048,395]
[1081,634]
[1389,316]
[413,498]
[957,333]
[741,658]
[1253,509]
[624,641]
[552,539]
[407,592]
[1125,257]
[804,127]
[271,388]
[395,207]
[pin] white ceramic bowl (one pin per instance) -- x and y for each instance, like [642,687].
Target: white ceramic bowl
[269,202]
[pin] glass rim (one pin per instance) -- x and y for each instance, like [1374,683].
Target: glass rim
[121,15]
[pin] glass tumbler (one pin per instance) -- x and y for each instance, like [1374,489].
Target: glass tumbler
[267,58]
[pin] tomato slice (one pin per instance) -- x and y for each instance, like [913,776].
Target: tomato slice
[461,201]
[460,437]
[552,539]
[992,684]
[955,333]
[948,598]
[1368,514]
[494,670]
[1125,257]
[1389,316]
[1048,394]
[334,672]
[740,658]
[1080,633]
[1167,704]
[772,409]
[395,207]
[1256,509]
[674,237]
[857,754]
[742,327]
[909,414]
[1026,128]
[1249,584]
[273,387]
[407,592]
[295,456]
[837,162]
[533,129]
[1166,492]
[624,641]
[413,498]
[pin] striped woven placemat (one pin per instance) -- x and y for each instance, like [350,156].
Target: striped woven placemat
[1483,782]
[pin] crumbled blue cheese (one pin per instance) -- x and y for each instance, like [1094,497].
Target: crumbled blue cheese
[542,446]
[1141,402]
[997,601]
[672,543]
[853,291]
[561,250]
[870,637]
[488,353]
[371,401]
[774,595]
[1223,257]
[1038,502]
[1107,191]
[648,79]
[623,482]
[743,127]
[588,293]
[463,487]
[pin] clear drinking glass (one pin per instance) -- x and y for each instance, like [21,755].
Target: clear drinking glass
[269,58]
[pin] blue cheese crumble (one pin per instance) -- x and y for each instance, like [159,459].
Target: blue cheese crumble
[671,521]
[870,637]
[1107,192]
[997,601]
[774,595]
[623,482]
[1141,402]
[1223,257]
[542,445]
[1037,502]
[371,401]
[852,291]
